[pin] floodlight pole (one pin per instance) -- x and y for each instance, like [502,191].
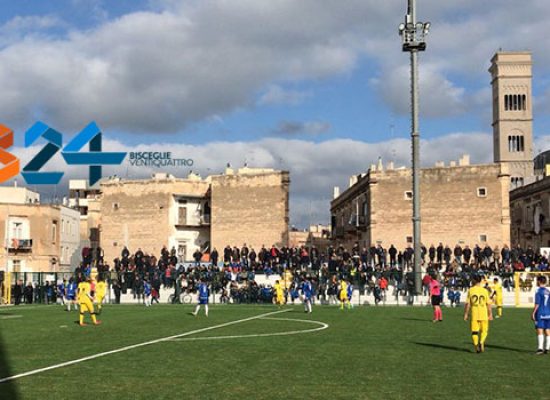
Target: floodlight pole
[413,34]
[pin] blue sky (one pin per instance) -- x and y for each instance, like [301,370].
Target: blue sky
[300,85]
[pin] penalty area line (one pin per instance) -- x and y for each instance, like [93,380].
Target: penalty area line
[135,346]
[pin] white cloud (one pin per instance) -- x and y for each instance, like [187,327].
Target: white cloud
[439,96]
[159,71]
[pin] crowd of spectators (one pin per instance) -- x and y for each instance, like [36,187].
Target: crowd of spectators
[232,272]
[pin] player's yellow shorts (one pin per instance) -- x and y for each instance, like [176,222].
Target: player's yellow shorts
[498,301]
[86,306]
[99,299]
[479,326]
[343,296]
[279,299]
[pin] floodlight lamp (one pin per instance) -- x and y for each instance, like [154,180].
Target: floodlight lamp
[419,26]
[427,26]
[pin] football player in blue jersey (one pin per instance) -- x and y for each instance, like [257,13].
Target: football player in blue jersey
[350,294]
[307,293]
[541,315]
[203,298]
[147,292]
[61,291]
[70,294]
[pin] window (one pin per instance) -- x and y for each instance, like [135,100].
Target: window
[483,238]
[54,231]
[515,102]
[408,195]
[16,265]
[516,182]
[116,206]
[481,192]
[516,143]
[182,216]
[409,239]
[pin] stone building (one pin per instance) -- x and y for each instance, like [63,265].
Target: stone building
[244,206]
[250,206]
[37,237]
[465,204]
[530,214]
[462,203]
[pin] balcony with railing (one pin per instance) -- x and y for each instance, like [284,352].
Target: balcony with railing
[19,245]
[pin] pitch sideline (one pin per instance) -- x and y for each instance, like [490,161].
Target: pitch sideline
[135,346]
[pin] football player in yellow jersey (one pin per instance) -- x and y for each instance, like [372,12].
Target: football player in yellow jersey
[479,305]
[343,295]
[85,300]
[279,294]
[496,296]
[100,290]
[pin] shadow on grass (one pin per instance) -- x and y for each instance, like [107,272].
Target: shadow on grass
[496,347]
[8,390]
[416,319]
[444,347]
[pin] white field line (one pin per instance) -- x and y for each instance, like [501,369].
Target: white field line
[321,327]
[135,346]
[10,316]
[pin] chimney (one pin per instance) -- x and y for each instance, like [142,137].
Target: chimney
[440,164]
[380,167]
[390,166]
[336,192]
[464,160]
[452,164]
[352,180]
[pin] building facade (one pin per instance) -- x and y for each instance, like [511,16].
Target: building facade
[460,204]
[244,206]
[530,213]
[250,206]
[37,237]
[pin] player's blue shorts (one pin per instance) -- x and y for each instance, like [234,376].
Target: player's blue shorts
[542,323]
[203,300]
[73,297]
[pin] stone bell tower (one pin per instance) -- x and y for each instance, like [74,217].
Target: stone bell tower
[511,74]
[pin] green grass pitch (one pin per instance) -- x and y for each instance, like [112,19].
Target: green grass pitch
[365,353]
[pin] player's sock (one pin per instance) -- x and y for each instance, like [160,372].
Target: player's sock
[310,310]
[81,318]
[440,312]
[547,343]
[475,338]
[206,309]
[435,315]
[94,320]
[499,311]
[197,308]
[541,342]
[483,336]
